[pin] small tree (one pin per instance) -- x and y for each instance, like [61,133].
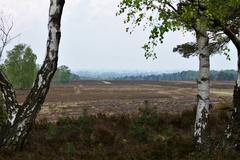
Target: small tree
[63,75]
[20,66]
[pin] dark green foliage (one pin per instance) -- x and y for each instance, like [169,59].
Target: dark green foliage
[20,66]
[85,123]
[52,132]
[186,49]
[219,46]
[140,126]
[139,131]
[62,75]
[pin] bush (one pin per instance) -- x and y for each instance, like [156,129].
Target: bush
[64,121]
[85,124]
[142,126]
[52,132]
[103,135]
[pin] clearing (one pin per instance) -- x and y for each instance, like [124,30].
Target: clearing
[124,97]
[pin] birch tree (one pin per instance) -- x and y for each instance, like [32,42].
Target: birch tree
[20,117]
[202,83]
[162,16]
[226,20]
[227,17]
[232,131]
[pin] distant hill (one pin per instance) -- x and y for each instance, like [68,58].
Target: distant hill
[223,75]
[113,75]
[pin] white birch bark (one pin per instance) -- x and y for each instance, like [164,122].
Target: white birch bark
[22,117]
[202,110]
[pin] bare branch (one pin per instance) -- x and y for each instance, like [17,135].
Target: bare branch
[5,37]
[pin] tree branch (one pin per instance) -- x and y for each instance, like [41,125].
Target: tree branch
[9,98]
[232,36]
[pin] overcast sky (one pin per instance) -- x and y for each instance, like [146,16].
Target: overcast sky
[93,38]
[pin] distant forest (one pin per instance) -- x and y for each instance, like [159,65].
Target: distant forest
[224,75]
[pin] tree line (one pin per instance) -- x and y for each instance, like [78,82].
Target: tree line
[224,75]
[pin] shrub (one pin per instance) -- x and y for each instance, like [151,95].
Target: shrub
[63,121]
[141,127]
[68,129]
[139,132]
[85,124]
[69,150]
[103,135]
[52,132]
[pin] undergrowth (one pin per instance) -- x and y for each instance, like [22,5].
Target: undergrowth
[147,136]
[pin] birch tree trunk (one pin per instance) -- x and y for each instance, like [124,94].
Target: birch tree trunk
[235,118]
[233,129]
[21,117]
[202,110]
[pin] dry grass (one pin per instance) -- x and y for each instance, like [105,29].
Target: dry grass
[222,92]
[123,97]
